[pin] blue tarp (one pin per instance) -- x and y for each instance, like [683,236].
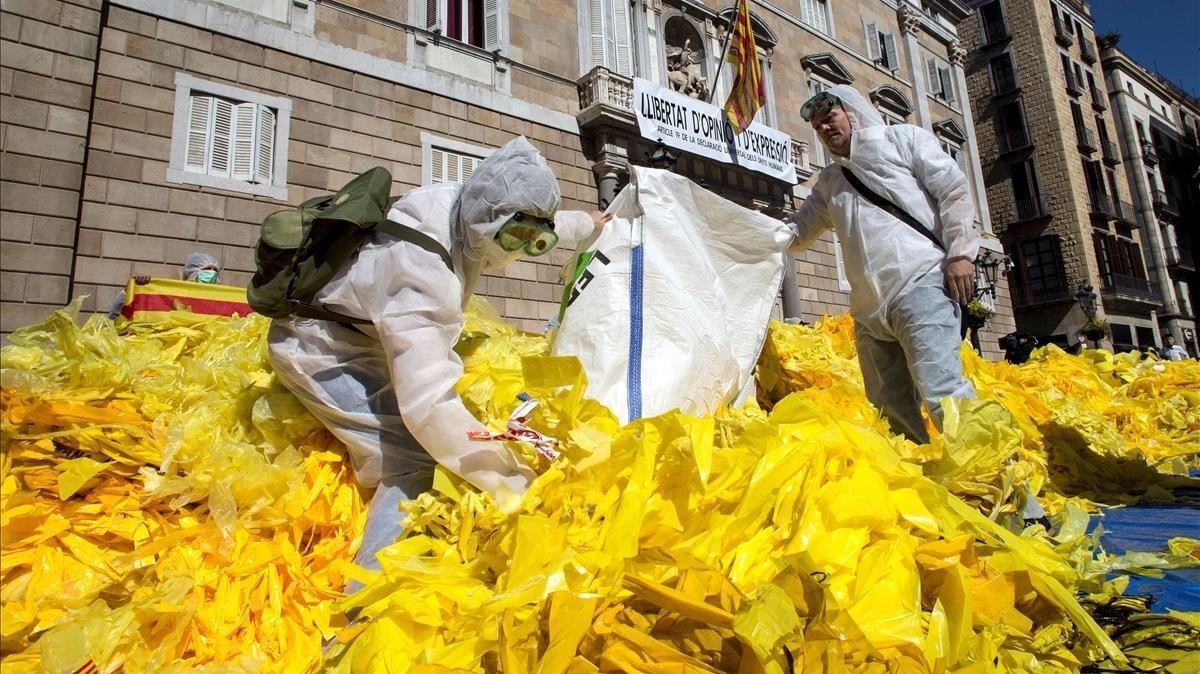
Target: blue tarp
[1148,528]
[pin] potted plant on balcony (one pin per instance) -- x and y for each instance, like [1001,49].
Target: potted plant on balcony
[977,314]
[1096,329]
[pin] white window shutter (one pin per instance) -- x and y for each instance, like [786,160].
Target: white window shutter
[198,130]
[265,161]
[872,39]
[889,52]
[596,26]
[492,39]
[244,124]
[453,168]
[222,137]
[931,72]
[438,168]
[469,164]
[623,37]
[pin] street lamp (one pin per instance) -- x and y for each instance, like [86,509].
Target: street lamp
[977,313]
[661,157]
[1086,297]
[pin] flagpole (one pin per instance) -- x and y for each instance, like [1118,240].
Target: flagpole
[712,89]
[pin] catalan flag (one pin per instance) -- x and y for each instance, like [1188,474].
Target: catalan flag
[748,93]
[150,301]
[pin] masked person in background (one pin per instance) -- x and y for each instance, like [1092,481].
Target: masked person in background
[199,267]
[908,243]
[386,388]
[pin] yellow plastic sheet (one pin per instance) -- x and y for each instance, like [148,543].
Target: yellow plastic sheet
[165,505]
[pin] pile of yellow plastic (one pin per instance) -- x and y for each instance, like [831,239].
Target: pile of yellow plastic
[806,538]
[164,504]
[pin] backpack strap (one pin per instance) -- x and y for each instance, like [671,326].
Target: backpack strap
[897,212]
[393,229]
[417,238]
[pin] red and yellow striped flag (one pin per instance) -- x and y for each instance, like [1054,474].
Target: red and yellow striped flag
[151,301]
[748,93]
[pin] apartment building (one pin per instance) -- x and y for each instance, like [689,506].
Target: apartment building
[1060,204]
[135,132]
[1157,126]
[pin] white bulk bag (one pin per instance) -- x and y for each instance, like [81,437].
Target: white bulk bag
[669,306]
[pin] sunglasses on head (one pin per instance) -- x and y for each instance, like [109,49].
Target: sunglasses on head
[535,235]
[818,105]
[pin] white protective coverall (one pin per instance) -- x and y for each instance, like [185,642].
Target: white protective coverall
[906,324]
[386,390]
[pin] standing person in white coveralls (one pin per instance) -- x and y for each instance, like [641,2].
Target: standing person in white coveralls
[906,292]
[386,389]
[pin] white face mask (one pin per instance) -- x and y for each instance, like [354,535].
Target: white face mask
[495,257]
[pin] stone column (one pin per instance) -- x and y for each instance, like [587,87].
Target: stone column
[1136,175]
[910,28]
[975,171]
[609,171]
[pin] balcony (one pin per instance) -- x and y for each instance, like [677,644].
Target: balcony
[1061,34]
[1074,86]
[1111,156]
[1098,101]
[1149,153]
[1180,257]
[1165,204]
[994,31]
[1004,84]
[1103,206]
[1086,140]
[1053,292]
[1014,139]
[603,93]
[1128,292]
[1030,208]
[1127,214]
[1087,49]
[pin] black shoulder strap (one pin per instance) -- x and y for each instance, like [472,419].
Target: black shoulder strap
[399,231]
[899,213]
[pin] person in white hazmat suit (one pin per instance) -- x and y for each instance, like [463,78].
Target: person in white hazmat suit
[386,389]
[906,293]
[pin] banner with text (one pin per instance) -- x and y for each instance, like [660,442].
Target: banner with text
[694,126]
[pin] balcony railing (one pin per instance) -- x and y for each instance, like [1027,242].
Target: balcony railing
[1086,139]
[1098,101]
[1014,139]
[1055,290]
[994,31]
[1180,256]
[1102,205]
[1131,286]
[1149,153]
[1165,203]
[1030,208]
[1074,86]
[1087,49]
[1110,152]
[1004,84]
[1061,34]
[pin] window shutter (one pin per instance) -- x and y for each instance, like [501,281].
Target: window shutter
[872,40]
[438,168]
[433,18]
[947,84]
[935,82]
[889,51]
[243,141]
[266,145]
[596,21]
[453,168]
[199,122]
[469,164]
[492,40]
[222,136]
[621,29]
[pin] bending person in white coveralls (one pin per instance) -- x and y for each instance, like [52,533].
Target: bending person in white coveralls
[386,389]
[905,292]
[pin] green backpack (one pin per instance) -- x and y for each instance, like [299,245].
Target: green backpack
[300,249]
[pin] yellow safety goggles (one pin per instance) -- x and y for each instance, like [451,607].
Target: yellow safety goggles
[535,235]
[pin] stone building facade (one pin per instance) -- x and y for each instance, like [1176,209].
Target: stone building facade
[1059,201]
[135,132]
[1157,128]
